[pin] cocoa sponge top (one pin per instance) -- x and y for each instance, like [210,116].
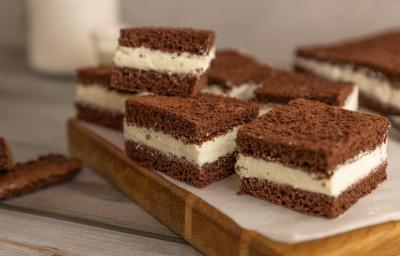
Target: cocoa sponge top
[284,86]
[95,75]
[380,52]
[172,40]
[193,119]
[233,68]
[312,136]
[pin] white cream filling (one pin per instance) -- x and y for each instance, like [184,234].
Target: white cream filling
[243,91]
[374,87]
[265,108]
[207,152]
[147,59]
[351,103]
[99,96]
[343,177]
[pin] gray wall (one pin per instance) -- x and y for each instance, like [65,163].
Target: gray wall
[12,32]
[267,28]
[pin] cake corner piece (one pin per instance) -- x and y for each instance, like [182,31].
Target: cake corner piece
[299,156]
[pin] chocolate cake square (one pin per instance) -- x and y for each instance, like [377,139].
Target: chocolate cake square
[236,74]
[163,61]
[6,160]
[96,101]
[285,86]
[372,63]
[311,157]
[191,139]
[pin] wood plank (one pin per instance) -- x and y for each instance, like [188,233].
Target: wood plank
[36,109]
[23,234]
[87,197]
[90,198]
[202,225]
[33,119]
[382,239]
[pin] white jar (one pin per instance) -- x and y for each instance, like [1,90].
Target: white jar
[105,40]
[60,31]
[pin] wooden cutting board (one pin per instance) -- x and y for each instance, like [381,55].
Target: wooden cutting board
[200,224]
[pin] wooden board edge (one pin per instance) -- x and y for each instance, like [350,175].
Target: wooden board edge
[200,224]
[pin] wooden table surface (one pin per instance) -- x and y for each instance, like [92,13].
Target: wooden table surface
[83,217]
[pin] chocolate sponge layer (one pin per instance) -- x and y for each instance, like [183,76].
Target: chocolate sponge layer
[33,175]
[173,40]
[284,86]
[106,118]
[100,75]
[136,80]
[181,169]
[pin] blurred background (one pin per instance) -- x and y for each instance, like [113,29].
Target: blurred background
[266,28]
[54,37]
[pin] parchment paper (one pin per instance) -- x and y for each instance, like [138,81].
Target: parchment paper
[280,224]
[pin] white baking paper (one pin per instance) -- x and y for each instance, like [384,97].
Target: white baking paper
[281,224]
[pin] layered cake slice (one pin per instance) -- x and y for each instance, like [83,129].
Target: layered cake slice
[235,74]
[6,161]
[284,86]
[311,157]
[372,63]
[191,139]
[96,101]
[164,61]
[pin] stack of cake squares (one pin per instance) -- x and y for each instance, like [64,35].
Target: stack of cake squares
[294,139]
[177,131]
[155,61]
